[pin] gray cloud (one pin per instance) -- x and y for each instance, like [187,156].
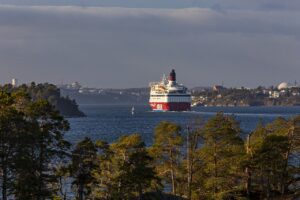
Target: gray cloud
[128,47]
[224,4]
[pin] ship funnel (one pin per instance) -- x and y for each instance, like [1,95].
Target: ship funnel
[172,76]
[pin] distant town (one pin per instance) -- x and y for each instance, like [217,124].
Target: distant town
[85,95]
[284,94]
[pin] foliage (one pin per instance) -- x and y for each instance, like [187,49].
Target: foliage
[83,157]
[222,153]
[208,160]
[166,150]
[32,142]
[124,170]
[50,93]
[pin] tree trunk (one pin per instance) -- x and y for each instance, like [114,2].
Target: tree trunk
[268,187]
[215,168]
[4,184]
[80,191]
[189,163]
[248,182]
[173,181]
[41,163]
[140,190]
[173,174]
[284,172]
[248,172]
[189,186]
[61,189]
[261,185]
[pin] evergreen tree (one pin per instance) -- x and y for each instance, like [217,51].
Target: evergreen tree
[39,150]
[124,169]
[193,162]
[62,172]
[136,174]
[12,126]
[104,173]
[290,177]
[269,159]
[222,153]
[274,154]
[83,163]
[166,150]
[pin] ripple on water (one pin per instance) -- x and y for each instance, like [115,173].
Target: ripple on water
[108,122]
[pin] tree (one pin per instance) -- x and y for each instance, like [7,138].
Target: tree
[222,153]
[50,93]
[268,162]
[124,169]
[274,152]
[290,177]
[136,173]
[31,142]
[253,142]
[40,148]
[104,172]
[62,172]
[193,162]
[166,150]
[12,125]
[83,163]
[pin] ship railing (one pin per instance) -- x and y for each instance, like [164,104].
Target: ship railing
[154,83]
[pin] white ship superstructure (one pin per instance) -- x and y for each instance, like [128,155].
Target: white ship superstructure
[168,95]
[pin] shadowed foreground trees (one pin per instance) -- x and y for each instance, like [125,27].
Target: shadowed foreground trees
[123,170]
[82,164]
[274,158]
[221,153]
[206,160]
[166,150]
[49,92]
[31,143]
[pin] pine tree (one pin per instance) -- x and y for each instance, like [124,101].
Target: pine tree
[104,172]
[124,169]
[222,153]
[12,125]
[274,152]
[166,150]
[83,163]
[136,173]
[40,148]
[193,162]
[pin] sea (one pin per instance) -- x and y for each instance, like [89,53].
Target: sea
[109,122]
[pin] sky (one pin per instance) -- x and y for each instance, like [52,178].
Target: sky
[129,43]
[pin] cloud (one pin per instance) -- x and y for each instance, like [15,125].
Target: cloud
[224,4]
[128,47]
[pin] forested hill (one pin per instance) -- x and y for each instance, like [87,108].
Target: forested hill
[66,106]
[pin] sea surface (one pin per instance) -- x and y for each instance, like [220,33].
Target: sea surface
[109,122]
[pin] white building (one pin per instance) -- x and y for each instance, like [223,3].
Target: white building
[274,94]
[14,82]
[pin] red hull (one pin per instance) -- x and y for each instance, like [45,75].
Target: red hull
[174,106]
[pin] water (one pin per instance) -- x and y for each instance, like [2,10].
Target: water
[108,122]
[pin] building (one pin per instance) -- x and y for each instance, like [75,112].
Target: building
[218,88]
[274,94]
[283,86]
[14,82]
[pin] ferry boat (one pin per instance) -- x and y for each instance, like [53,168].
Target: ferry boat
[168,95]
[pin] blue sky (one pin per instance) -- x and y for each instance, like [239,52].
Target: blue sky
[128,43]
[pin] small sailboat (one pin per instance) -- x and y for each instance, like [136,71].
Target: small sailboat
[132,110]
